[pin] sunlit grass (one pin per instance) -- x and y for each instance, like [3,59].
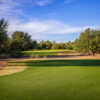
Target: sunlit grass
[46,52]
[53,80]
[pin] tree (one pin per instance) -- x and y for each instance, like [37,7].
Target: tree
[20,41]
[15,49]
[27,42]
[3,36]
[35,44]
[94,42]
[57,46]
[24,39]
[82,43]
[43,45]
[88,42]
[48,44]
[69,45]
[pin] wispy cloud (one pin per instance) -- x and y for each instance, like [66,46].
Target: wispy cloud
[41,2]
[39,28]
[9,8]
[15,8]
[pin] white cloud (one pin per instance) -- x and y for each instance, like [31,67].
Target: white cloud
[10,9]
[39,28]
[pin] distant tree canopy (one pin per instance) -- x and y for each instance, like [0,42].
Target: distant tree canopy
[45,45]
[23,39]
[69,45]
[88,42]
[58,46]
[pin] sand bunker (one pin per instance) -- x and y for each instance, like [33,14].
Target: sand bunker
[7,70]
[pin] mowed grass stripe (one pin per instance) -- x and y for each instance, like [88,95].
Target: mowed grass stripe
[58,63]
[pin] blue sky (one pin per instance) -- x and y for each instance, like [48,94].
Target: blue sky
[56,20]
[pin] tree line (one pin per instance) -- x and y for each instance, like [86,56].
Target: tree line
[21,41]
[88,42]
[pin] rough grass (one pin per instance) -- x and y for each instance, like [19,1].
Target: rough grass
[53,80]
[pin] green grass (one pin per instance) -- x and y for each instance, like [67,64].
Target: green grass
[58,50]
[45,52]
[39,53]
[53,80]
[56,63]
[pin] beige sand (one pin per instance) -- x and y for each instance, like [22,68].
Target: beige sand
[7,70]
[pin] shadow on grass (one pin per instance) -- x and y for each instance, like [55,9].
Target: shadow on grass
[61,63]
